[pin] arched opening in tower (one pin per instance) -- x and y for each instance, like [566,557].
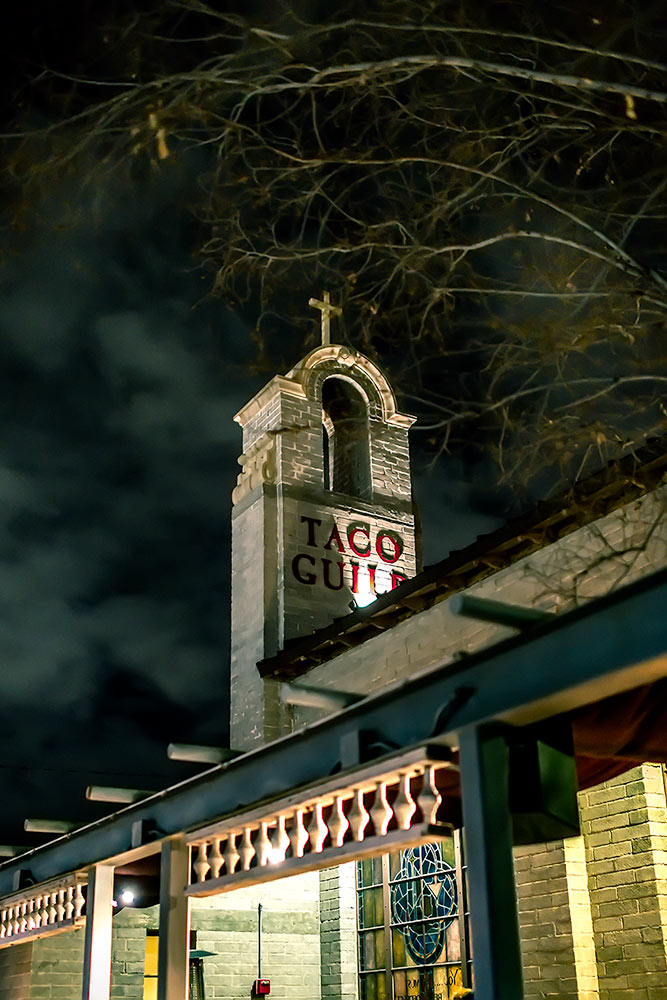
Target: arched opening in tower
[347,462]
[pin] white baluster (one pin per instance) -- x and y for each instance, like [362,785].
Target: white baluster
[201,865]
[358,816]
[31,914]
[317,830]
[429,798]
[338,822]
[279,842]
[263,845]
[380,811]
[298,836]
[231,855]
[404,806]
[17,919]
[79,901]
[10,922]
[69,903]
[3,924]
[215,859]
[60,905]
[247,851]
[53,913]
[24,917]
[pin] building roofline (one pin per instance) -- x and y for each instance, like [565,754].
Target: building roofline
[618,483]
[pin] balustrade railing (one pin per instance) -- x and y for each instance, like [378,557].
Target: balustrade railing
[45,909]
[386,808]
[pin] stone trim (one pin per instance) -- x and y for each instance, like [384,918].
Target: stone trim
[258,466]
[583,941]
[339,358]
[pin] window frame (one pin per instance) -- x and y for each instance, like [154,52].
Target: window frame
[389,925]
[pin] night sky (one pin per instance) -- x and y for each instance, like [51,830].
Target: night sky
[120,374]
[120,378]
[117,460]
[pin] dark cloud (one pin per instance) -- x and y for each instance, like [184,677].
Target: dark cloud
[117,461]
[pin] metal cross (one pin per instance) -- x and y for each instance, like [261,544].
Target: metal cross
[327,311]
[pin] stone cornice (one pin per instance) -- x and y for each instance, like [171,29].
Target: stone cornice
[294,384]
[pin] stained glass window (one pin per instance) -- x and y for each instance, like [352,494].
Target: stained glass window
[412,924]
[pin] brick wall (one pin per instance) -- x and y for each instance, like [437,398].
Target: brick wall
[227,926]
[128,951]
[57,964]
[15,971]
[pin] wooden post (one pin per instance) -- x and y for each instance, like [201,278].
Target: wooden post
[487,829]
[97,941]
[173,947]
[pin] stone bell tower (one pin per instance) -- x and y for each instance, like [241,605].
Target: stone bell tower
[323,515]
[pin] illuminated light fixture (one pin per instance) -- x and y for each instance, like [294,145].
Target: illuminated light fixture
[365,593]
[364,598]
[127,897]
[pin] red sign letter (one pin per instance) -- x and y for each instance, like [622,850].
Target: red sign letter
[334,538]
[351,536]
[396,543]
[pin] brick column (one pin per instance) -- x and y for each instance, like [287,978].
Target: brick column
[555,920]
[625,832]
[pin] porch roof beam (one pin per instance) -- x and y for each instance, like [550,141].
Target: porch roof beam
[611,645]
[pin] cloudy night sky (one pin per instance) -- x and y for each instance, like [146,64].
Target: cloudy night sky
[120,378]
[518,306]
